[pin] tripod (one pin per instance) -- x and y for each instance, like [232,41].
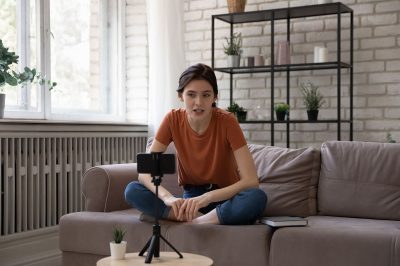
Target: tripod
[153,245]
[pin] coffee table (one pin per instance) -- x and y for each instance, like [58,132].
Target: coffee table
[166,258]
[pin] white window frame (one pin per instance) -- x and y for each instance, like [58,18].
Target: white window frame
[113,62]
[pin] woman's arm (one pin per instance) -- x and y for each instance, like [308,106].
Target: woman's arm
[247,173]
[163,194]
[248,179]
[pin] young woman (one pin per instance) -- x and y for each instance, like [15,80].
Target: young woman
[215,166]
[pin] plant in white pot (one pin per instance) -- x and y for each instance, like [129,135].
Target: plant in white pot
[118,246]
[8,62]
[232,49]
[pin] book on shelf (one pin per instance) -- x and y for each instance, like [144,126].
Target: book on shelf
[279,221]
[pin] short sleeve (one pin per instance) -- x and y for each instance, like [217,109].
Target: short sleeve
[234,133]
[164,133]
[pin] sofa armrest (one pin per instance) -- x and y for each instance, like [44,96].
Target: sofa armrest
[103,186]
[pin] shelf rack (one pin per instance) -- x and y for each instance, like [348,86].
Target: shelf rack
[287,14]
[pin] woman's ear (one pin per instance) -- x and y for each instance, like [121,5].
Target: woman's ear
[180,97]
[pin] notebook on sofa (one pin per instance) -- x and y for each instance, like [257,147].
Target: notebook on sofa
[279,221]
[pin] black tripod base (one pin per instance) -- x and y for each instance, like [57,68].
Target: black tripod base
[153,245]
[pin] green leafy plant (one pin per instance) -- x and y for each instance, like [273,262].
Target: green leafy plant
[8,76]
[233,44]
[313,100]
[118,235]
[389,138]
[234,108]
[239,111]
[281,107]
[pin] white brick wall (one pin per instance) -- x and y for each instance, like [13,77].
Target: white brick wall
[376,66]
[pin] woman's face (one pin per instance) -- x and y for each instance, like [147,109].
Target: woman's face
[198,97]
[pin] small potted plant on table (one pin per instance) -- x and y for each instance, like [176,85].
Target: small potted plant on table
[118,246]
[239,111]
[313,100]
[281,110]
[232,49]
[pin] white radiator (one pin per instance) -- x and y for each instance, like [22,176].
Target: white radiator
[41,176]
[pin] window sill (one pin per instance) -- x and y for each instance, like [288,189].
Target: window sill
[31,125]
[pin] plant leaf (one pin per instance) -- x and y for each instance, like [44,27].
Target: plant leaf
[10,79]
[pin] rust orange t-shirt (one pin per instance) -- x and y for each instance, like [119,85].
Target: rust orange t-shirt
[207,158]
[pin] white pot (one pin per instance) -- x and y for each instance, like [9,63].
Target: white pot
[233,60]
[2,104]
[118,250]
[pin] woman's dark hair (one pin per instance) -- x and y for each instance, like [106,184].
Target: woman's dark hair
[198,72]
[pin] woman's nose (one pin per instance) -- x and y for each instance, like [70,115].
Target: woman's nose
[198,100]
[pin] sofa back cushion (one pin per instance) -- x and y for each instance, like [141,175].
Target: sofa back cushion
[289,177]
[360,179]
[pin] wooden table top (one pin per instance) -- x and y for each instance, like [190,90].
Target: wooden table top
[166,259]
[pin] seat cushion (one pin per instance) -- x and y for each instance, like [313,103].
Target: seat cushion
[91,232]
[332,241]
[226,245]
[360,179]
[289,177]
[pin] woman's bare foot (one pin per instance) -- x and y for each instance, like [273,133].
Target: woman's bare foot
[209,218]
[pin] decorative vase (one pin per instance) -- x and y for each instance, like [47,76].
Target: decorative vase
[233,60]
[283,57]
[118,250]
[312,115]
[235,6]
[280,116]
[2,104]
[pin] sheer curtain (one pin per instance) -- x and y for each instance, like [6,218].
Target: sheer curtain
[166,57]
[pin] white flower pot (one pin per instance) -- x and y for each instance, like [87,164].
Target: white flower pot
[118,250]
[233,60]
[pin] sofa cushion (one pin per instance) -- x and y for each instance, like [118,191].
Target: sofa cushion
[289,177]
[91,232]
[226,245]
[332,241]
[360,179]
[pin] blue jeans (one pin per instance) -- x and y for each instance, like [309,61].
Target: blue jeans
[243,208]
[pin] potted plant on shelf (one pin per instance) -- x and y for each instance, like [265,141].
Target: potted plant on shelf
[281,110]
[313,100]
[8,61]
[232,49]
[239,111]
[236,5]
[118,246]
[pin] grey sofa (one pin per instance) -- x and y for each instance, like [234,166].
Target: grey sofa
[349,192]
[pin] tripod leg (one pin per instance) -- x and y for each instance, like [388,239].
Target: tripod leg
[145,247]
[157,247]
[150,251]
[171,246]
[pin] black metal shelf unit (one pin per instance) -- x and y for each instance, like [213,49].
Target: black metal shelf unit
[287,14]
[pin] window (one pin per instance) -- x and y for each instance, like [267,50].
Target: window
[79,47]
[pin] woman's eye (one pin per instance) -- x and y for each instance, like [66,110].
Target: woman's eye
[207,95]
[191,95]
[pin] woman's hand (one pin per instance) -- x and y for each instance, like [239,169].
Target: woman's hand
[176,204]
[191,206]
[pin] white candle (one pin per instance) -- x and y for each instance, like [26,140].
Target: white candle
[323,54]
[316,54]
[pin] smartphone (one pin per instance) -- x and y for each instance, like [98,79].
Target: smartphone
[147,163]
